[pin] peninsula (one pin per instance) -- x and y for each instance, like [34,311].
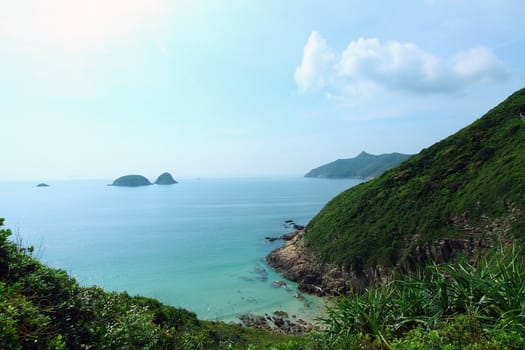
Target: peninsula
[364,166]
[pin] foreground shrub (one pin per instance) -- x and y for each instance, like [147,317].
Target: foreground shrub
[456,304]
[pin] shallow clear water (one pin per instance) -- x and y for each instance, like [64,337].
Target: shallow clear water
[198,244]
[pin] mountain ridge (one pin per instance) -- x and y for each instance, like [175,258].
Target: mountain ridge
[363,166]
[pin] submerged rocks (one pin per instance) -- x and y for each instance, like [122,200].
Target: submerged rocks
[131,181]
[165,179]
[261,273]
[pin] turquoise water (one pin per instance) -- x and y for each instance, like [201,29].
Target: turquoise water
[198,244]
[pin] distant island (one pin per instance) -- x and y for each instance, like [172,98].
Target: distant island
[139,180]
[165,179]
[42,185]
[131,181]
[364,166]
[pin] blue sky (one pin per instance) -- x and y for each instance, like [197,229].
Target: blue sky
[104,88]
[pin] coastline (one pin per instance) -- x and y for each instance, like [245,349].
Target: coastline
[297,263]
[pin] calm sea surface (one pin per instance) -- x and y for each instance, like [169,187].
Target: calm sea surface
[198,244]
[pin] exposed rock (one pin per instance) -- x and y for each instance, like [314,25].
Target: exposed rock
[165,179]
[278,284]
[289,236]
[298,296]
[298,263]
[286,237]
[280,323]
[281,313]
[131,181]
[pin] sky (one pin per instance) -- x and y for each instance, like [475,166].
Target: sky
[103,88]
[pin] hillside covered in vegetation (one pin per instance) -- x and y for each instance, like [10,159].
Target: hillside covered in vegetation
[364,166]
[463,190]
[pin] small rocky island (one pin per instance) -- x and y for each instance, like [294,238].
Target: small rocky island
[42,185]
[165,179]
[131,181]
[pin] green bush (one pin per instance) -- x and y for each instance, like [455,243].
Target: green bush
[455,306]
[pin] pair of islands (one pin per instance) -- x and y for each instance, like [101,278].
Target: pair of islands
[139,180]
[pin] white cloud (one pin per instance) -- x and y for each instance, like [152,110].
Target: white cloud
[479,64]
[315,69]
[369,65]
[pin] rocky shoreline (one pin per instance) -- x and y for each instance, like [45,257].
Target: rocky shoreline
[297,263]
[278,322]
[300,264]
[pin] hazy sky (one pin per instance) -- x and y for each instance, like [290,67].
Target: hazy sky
[103,88]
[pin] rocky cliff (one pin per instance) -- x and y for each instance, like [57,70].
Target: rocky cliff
[298,263]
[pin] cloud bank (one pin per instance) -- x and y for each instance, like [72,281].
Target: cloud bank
[369,65]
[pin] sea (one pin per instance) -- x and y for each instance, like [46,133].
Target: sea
[199,244]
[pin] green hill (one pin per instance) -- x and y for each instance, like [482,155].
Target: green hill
[363,166]
[131,181]
[469,187]
[165,179]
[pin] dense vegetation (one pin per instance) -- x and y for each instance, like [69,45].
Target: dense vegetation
[44,308]
[470,185]
[363,166]
[453,306]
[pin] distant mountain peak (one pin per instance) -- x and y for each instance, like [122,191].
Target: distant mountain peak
[363,166]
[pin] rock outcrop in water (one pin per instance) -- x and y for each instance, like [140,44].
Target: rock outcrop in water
[165,179]
[131,181]
[42,185]
[279,322]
